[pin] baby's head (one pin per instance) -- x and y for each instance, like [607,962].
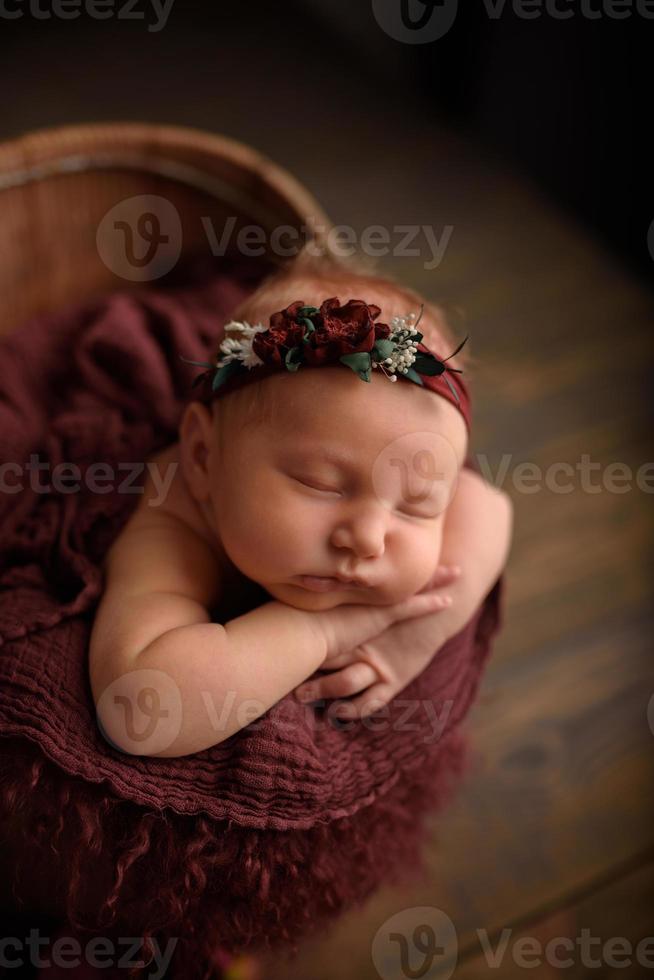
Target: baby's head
[318,473]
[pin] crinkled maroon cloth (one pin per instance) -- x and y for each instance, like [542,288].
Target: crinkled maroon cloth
[248,845]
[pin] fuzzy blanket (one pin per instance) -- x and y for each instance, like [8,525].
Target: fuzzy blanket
[251,844]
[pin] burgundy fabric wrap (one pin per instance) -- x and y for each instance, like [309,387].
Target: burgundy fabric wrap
[310,818]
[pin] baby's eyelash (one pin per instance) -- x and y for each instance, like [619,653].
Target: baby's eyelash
[311,486]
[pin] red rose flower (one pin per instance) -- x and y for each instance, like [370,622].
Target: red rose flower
[286,318]
[342,330]
[338,330]
[273,344]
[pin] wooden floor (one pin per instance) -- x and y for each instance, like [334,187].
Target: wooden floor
[552,832]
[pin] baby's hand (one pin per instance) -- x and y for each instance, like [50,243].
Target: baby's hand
[379,668]
[345,627]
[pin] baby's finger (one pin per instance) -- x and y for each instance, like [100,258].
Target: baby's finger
[366,704]
[420,604]
[341,660]
[350,680]
[445,574]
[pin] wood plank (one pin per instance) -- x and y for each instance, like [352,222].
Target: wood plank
[609,933]
[561,789]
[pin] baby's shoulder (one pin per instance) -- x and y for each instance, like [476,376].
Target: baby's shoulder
[165,492]
[165,545]
[168,544]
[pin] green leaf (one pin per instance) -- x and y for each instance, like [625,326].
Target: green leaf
[308,324]
[293,359]
[411,374]
[225,372]
[307,310]
[360,363]
[452,389]
[199,363]
[384,348]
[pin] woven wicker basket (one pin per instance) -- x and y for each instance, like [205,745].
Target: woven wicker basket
[57,186]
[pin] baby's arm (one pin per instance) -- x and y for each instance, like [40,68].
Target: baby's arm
[477,538]
[154,647]
[167,681]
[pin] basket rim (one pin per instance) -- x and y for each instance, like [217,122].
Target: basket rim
[50,151]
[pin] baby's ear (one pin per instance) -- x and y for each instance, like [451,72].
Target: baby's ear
[195,440]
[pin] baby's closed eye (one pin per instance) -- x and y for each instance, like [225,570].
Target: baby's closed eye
[428,512]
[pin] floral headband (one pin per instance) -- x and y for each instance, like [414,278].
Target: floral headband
[305,335]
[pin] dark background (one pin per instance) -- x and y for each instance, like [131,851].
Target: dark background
[563,101]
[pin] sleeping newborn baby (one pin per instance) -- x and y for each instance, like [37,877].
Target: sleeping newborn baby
[334,492]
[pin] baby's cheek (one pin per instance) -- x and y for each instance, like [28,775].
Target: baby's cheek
[428,552]
[438,535]
[287,526]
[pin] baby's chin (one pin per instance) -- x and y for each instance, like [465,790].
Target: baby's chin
[301,598]
[305,599]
